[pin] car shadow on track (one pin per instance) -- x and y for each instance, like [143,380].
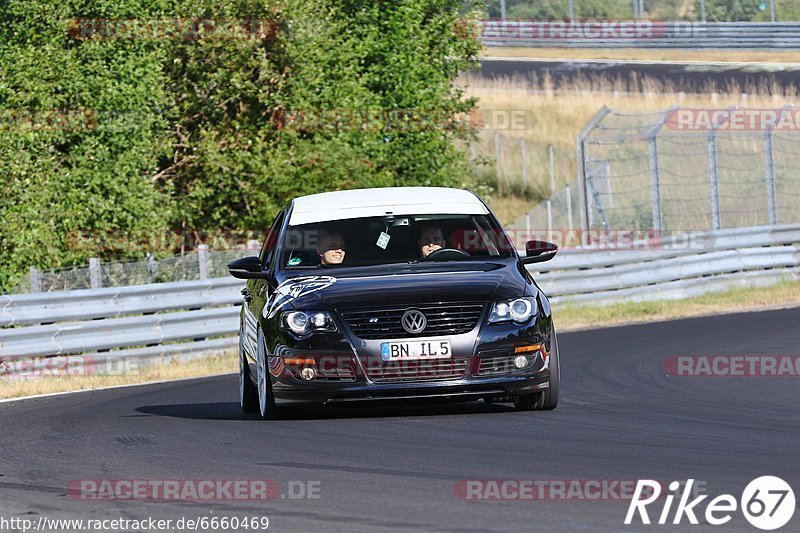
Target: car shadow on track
[232,411]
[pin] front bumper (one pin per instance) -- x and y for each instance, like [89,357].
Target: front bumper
[481,376]
[352,369]
[456,390]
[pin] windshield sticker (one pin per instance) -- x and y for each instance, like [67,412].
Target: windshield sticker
[294,288]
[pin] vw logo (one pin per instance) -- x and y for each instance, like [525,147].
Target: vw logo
[413,321]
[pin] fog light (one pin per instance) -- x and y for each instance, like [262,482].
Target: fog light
[521,361]
[308,373]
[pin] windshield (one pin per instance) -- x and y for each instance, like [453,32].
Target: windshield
[393,239]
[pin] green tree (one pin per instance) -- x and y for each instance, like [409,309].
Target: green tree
[195,131]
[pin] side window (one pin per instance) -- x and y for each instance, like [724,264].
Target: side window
[270,243]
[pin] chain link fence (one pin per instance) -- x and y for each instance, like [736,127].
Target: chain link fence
[690,169]
[194,265]
[678,170]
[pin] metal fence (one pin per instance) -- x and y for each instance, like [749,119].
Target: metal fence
[642,34]
[643,171]
[202,263]
[187,319]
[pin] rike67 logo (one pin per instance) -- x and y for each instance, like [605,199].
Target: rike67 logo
[767,503]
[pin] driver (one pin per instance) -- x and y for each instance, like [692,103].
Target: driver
[431,238]
[331,248]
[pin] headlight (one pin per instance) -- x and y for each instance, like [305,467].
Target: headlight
[517,310]
[304,322]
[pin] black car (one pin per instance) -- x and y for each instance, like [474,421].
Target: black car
[393,294]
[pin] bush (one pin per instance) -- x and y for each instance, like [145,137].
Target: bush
[201,133]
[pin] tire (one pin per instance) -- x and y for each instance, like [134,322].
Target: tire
[548,399]
[248,393]
[266,401]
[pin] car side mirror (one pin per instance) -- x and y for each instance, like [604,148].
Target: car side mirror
[539,251]
[247,268]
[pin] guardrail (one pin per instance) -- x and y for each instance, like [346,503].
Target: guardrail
[703,262]
[640,34]
[187,319]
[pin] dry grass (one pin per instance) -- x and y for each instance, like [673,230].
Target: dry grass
[509,208]
[207,366]
[783,294]
[560,112]
[734,56]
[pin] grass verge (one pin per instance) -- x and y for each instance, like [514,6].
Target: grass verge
[207,366]
[733,56]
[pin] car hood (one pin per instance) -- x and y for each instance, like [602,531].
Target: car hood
[408,284]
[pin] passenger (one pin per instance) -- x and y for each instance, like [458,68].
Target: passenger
[431,238]
[331,248]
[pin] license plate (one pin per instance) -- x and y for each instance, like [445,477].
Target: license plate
[423,349]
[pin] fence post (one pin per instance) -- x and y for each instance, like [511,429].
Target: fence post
[552,170]
[202,258]
[568,192]
[655,181]
[36,279]
[770,177]
[712,174]
[655,185]
[524,166]
[497,163]
[580,147]
[94,273]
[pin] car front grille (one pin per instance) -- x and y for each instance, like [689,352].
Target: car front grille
[504,364]
[436,370]
[442,319]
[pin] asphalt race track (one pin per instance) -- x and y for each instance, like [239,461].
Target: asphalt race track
[690,76]
[395,468]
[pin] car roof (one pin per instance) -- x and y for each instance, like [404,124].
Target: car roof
[359,203]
